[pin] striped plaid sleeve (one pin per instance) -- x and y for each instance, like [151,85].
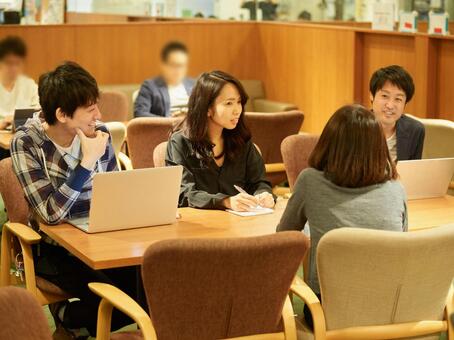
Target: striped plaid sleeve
[108,160]
[51,204]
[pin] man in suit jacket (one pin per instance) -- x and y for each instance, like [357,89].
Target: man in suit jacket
[166,95]
[391,88]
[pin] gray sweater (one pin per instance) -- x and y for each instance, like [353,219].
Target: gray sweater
[327,206]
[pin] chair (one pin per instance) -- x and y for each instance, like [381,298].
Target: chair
[118,132]
[268,130]
[22,316]
[143,135]
[128,90]
[257,100]
[295,151]
[159,155]
[379,284]
[135,94]
[18,215]
[439,140]
[213,289]
[113,106]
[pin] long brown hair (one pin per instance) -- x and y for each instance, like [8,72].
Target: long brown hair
[352,150]
[195,125]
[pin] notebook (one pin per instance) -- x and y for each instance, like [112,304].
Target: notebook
[257,211]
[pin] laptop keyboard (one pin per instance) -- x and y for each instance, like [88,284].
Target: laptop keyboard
[81,223]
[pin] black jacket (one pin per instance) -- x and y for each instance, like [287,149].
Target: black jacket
[410,138]
[207,186]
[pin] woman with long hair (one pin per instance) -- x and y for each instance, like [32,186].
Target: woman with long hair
[215,149]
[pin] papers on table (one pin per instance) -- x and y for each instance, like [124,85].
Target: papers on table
[257,211]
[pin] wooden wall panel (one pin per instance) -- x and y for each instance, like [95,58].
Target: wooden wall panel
[130,53]
[310,67]
[379,50]
[444,82]
[317,67]
[47,45]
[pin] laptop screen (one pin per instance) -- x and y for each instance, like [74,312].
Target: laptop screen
[21,116]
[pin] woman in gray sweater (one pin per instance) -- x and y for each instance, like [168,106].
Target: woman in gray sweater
[351,182]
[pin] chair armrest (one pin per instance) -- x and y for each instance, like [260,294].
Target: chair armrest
[303,291]
[23,232]
[450,312]
[266,105]
[451,185]
[124,161]
[274,167]
[114,297]
[27,236]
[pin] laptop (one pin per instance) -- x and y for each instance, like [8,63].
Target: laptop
[21,116]
[426,178]
[132,199]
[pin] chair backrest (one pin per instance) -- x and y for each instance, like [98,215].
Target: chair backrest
[255,90]
[113,106]
[127,89]
[439,139]
[118,132]
[159,155]
[229,287]
[143,135]
[296,150]
[377,277]
[269,130]
[22,317]
[134,95]
[13,196]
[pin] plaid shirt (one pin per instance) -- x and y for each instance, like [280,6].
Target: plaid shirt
[53,189]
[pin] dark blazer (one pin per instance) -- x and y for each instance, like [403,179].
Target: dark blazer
[153,99]
[410,138]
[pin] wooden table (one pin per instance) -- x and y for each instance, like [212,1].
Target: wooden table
[126,247]
[5,139]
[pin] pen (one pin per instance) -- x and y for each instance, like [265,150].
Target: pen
[240,189]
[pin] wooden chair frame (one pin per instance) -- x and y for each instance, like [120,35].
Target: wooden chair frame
[378,332]
[27,237]
[113,297]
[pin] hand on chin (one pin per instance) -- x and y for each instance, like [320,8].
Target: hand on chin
[90,132]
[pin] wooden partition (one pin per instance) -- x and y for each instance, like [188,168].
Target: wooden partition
[311,66]
[317,67]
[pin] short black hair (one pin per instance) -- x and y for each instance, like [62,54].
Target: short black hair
[68,87]
[397,76]
[173,46]
[12,45]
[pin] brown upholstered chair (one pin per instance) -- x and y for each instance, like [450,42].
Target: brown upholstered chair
[379,284]
[213,289]
[17,227]
[295,151]
[21,316]
[143,135]
[128,90]
[113,106]
[268,131]
[159,155]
